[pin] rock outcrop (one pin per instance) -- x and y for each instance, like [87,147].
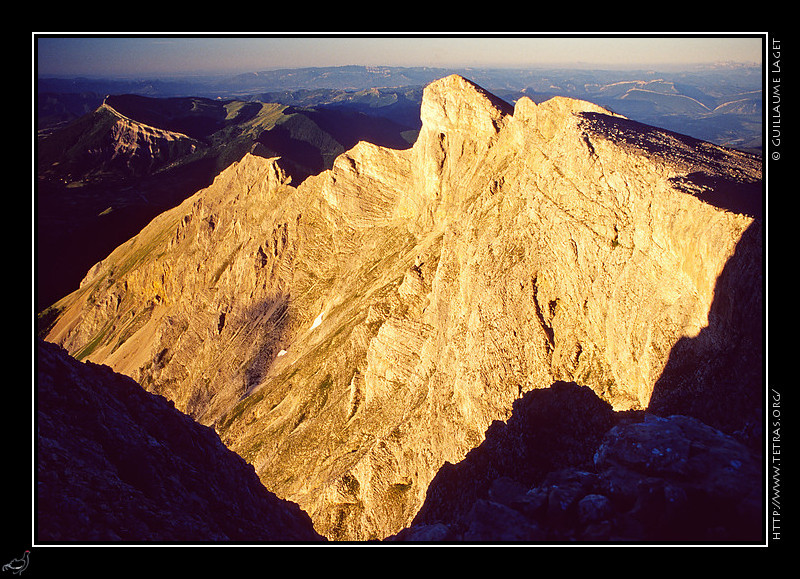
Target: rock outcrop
[351,335]
[115,463]
[566,468]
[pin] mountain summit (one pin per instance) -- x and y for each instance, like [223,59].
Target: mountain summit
[350,335]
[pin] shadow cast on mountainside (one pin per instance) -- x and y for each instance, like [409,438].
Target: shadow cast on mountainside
[718,375]
[550,429]
[349,127]
[650,139]
[744,198]
[717,189]
[299,158]
[211,402]
[306,152]
[544,458]
[273,332]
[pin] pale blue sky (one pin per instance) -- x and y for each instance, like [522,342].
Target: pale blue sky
[181,54]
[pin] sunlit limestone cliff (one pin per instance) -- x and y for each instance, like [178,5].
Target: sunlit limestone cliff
[352,334]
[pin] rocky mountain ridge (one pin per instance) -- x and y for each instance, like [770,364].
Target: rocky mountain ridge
[102,177]
[351,335]
[117,464]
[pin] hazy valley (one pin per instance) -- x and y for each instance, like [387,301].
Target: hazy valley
[439,314]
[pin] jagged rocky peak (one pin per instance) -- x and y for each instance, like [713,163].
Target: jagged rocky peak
[351,335]
[140,147]
[455,102]
[525,109]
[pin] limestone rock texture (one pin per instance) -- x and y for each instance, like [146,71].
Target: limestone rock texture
[350,335]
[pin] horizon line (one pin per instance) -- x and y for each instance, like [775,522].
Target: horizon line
[569,65]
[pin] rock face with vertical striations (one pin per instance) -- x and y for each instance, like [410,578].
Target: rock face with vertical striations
[350,335]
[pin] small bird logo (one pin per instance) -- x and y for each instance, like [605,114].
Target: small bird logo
[17,566]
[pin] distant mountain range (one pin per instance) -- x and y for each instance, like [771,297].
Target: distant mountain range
[721,104]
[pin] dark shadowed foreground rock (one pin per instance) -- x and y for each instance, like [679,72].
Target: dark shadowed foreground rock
[115,463]
[650,478]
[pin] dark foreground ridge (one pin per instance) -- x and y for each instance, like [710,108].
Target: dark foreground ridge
[567,468]
[118,464]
